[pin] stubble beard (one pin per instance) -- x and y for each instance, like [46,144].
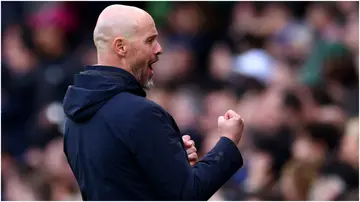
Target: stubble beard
[149,84]
[142,78]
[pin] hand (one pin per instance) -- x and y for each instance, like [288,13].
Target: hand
[190,149]
[231,125]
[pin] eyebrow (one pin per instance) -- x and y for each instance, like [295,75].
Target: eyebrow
[152,36]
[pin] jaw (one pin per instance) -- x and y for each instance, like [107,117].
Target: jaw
[149,84]
[144,75]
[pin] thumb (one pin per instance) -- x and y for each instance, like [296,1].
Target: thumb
[221,119]
[186,138]
[231,114]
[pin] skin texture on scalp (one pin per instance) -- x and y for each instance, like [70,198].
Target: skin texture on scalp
[114,21]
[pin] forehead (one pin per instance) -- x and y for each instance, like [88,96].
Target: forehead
[146,26]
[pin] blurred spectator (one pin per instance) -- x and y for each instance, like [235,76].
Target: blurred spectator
[18,89]
[316,142]
[289,69]
[296,180]
[220,62]
[335,181]
[350,144]
[175,67]
[214,105]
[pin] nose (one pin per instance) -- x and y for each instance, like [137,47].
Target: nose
[158,49]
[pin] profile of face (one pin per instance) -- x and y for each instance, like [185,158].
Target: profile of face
[143,51]
[126,37]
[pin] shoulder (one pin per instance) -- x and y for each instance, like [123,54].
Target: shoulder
[138,103]
[148,109]
[126,107]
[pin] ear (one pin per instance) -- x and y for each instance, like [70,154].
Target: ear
[119,46]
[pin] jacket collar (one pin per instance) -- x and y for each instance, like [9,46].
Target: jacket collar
[120,75]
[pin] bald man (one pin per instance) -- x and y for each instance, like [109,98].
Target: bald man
[122,146]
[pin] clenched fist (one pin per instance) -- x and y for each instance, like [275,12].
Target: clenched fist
[231,125]
[190,149]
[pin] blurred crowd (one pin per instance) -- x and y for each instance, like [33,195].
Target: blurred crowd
[290,69]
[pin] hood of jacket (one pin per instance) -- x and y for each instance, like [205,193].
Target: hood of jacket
[93,87]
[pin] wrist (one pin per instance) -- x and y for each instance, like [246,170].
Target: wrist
[234,140]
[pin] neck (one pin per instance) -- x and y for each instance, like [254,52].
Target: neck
[113,62]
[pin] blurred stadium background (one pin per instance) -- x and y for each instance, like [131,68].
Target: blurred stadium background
[289,68]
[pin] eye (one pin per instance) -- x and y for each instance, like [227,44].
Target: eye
[151,39]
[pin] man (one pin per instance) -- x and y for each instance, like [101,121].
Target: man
[122,146]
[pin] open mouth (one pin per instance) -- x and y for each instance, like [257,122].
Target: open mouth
[151,63]
[150,66]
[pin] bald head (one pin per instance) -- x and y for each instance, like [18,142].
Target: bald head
[117,21]
[126,37]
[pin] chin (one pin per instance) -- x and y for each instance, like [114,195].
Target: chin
[149,84]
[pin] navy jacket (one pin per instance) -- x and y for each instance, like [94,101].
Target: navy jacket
[122,146]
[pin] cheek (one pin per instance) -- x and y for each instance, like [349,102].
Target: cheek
[144,56]
[140,59]
[137,53]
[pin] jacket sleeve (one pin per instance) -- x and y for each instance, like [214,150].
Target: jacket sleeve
[160,153]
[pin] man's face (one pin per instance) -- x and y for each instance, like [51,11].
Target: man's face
[144,52]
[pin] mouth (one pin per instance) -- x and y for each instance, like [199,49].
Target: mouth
[151,63]
[150,66]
